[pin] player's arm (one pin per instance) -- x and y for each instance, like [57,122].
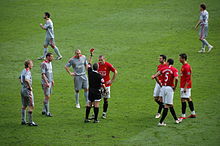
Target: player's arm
[68,70]
[157,80]
[28,84]
[45,79]
[175,83]
[156,75]
[42,26]
[198,23]
[114,76]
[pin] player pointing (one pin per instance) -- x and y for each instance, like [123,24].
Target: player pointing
[48,26]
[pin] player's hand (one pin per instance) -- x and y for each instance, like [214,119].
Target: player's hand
[53,83]
[153,76]
[30,89]
[109,82]
[72,74]
[41,24]
[47,85]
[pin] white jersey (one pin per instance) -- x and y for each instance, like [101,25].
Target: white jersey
[46,68]
[49,29]
[204,16]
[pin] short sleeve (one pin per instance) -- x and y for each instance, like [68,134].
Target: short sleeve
[111,68]
[28,76]
[47,25]
[69,63]
[176,73]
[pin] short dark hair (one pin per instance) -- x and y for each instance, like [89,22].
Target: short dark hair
[48,54]
[26,63]
[183,56]
[95,66]
[203,6]
[164,57]
[47,14]
[170,61]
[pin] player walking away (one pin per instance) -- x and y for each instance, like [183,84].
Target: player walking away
[27,97]
[186,85]
[169,74]
[95,83]
[48,26]
[104,70]
[157,97]
[79,65]
[203,33]
[47,82]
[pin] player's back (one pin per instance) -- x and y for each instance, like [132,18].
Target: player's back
[168,75]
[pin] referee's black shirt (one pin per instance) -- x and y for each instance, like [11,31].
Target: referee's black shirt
[95,79]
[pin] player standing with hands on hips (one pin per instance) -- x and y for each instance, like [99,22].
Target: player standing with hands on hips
[50,40]
[79,65]
[203,33]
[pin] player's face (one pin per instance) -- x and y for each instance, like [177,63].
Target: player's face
[30,65]
[50,58]
[181,60]
[102,59]
[161,60]
[45,17]
[78,53]
[201,9]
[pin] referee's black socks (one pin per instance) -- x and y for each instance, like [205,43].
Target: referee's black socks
[87,111]
[96,112]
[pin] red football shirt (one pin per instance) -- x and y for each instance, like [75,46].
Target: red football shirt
[159,67]
[186,72]
[168,74]
[104,70]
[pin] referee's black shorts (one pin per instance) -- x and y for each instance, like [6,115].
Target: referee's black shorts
[94,94]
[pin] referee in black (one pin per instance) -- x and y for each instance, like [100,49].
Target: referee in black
[95,83]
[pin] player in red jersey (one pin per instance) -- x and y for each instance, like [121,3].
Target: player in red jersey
[185,86]
[104,69]
[157,97]
[169,75]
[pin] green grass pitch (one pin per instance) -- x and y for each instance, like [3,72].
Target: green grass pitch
[132,34]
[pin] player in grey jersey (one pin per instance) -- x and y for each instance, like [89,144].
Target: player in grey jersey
[48,26]
[79,65]
[47,82]
[27,97]
[203,33]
